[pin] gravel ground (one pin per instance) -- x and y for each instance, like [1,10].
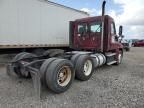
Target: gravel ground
[110,87]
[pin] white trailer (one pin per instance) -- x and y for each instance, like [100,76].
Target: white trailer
[35,23]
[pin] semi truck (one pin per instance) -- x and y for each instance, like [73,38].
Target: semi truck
[93,42]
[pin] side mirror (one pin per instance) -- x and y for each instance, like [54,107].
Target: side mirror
[120,30]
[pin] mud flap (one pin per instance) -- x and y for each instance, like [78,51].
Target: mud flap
[35,74]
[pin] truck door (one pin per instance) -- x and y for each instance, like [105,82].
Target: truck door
[90,37]
[82,35]
[95,34]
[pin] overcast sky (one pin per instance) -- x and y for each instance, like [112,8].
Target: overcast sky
[129,13]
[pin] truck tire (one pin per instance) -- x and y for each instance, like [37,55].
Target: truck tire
[38,52]
[53,52]
[120,57]
[44,68]
[84,67]
[60,75]
[18,56]
[17,69]
[74,59]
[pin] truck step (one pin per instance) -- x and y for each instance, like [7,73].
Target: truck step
[112,62]
[110,54]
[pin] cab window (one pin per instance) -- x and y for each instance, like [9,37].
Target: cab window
[95,27]
[82,28]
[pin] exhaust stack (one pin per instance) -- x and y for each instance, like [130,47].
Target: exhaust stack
[102,33]
[103,8]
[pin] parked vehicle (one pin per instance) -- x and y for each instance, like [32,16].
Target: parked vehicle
[127,44]
[92,43]
[134,40]
[138,43]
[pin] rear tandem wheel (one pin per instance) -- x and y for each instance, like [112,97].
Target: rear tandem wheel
[59,75]
[84,66]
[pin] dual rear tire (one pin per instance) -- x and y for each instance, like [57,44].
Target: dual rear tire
[84,67]
[58,74]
